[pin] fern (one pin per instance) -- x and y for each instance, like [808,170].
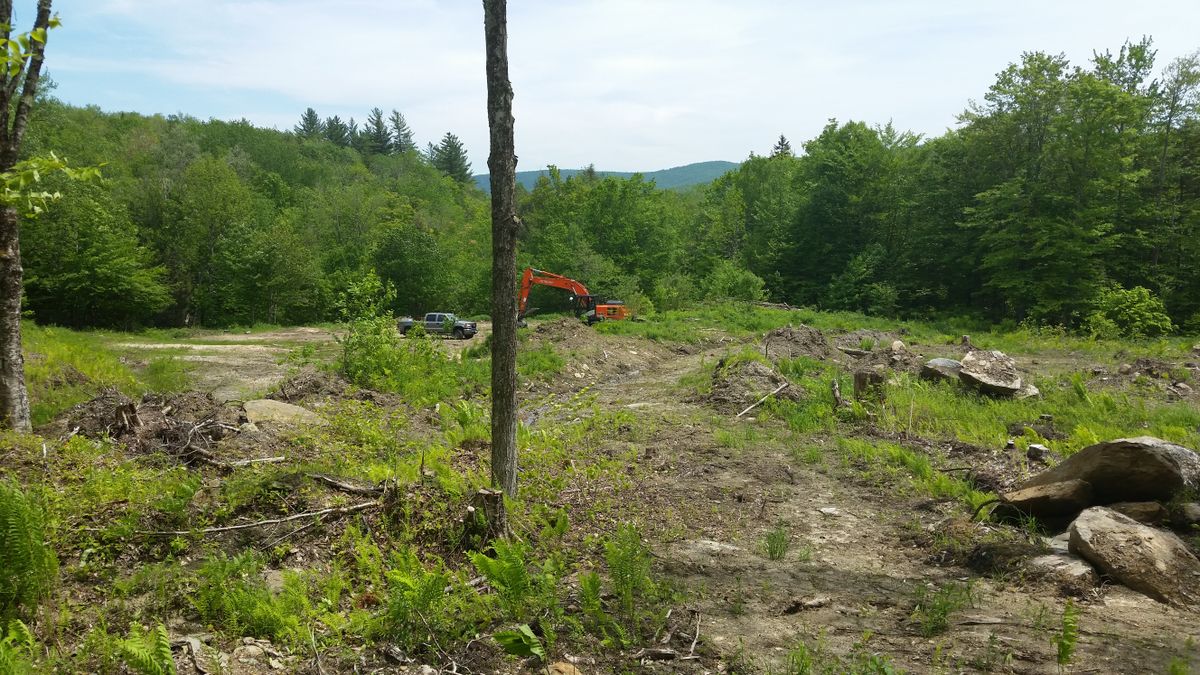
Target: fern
[27,565]
[17,648]
[629,568]
[508,575]
[1066,638]
[148,652]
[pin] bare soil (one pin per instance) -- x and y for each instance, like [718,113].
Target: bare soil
[860,549]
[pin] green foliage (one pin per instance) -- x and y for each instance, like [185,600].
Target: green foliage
[85,266]
[375,356]
[148,652]
[629,570]
[28,566]
[419,613]
[1068,634]
[507,575]
[1135,312]
[520,642]
[17,649]
[777,542]
[934,607]
[230,594]
[730,282]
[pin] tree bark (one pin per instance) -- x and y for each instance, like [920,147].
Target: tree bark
[14,397]
[502,165]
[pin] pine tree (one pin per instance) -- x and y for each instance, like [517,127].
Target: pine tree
[378,137]
[337,131]
[402,136]
[782,147]
[450,158]
[310,125]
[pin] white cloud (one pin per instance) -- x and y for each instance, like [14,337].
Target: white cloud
[626,84]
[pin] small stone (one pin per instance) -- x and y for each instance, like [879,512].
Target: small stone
[1125,369]
[898,346]
[830,511]
[563,668]
[275,664]
[248,428]
[427,670]
[1037,451]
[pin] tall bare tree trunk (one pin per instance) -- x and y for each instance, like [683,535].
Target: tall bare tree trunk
[14,397]
[502,165]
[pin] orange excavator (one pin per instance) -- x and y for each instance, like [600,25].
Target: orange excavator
[583,301]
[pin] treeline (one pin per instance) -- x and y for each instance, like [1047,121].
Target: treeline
[1068,195]
[217,223]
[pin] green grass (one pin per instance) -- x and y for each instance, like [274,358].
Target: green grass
[65,367]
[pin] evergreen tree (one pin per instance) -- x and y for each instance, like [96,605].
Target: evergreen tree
[782,147]
[402,136]
[337,131]
[450,158]
[310,125]
[378,137]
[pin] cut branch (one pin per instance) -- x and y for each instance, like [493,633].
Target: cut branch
[334,511]
[761,400]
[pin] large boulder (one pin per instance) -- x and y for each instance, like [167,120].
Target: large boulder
[1128,470]
[941,369]
[1150,513]
[1150,561]
[277,412]
[991,372]
[1065,498]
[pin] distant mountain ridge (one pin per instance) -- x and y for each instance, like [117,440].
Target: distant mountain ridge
[666,179]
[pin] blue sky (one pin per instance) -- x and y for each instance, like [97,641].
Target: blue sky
[624,84]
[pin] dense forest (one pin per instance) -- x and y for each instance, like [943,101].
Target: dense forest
[1069,195]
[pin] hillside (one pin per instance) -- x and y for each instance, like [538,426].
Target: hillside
[666,179]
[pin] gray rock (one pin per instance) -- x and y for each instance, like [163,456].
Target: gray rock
[1125,369]
[1037,451]
[941,369]
[991,372]
[278,412]
[1028,390]
[1150,561]
[1150,513]
[1052,499]
[1065,568]
[1128,470]
[898,346]
[1186,516]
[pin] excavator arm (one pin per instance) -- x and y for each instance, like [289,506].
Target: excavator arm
[533,277]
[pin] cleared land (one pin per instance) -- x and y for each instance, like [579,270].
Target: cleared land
[799,537]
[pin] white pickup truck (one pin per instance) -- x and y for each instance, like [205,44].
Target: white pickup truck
[441,323]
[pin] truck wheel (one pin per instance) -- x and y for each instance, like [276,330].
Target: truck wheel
[458,334]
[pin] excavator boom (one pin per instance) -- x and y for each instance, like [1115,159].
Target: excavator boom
[581,298]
